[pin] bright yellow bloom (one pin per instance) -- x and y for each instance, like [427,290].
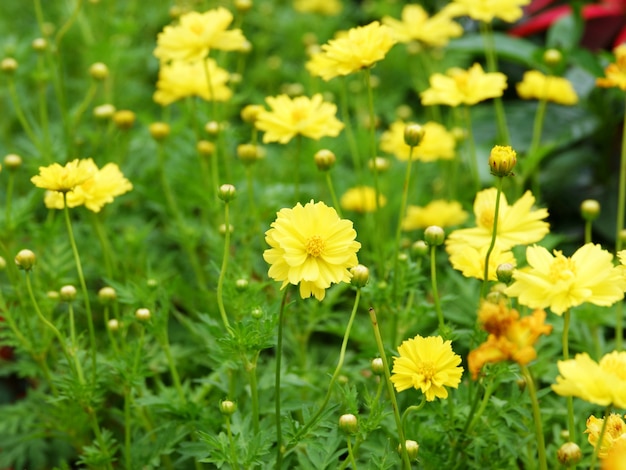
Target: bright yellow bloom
[615,433]
[105,185]
[309,117]
[517,224]
[63,178]
[486,10]
[436,144]
[560,283]
[360,48]
[361,199]
[416,25]
[602,383]
[179,79]
[324,7]
[615,74]
[196,34]
[428,364]
[536,85]
[459,86]
[438,212]
[471,260]
[311,246]
[616,457]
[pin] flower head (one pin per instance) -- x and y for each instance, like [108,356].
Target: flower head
[428,364]
[359,48]
[536,85]
[614,434]
[437,212]
[470,260]
[63,178]
[309,117]
[486,10]
[616,457]
[467,87]
[615,74]
[311,246]
[502,160]
[323,7]
[560,282]
[416,25]
[361,199]
[437,143]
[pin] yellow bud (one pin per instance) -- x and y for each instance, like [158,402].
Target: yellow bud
[212,128]
[143,314]
[99,71]
[205,148]
[348,423]
[243,6]
[39,44]
[113,324]
[251,112]
[107,294]
[12,161]
[379,164]
[25,260]
[8,65]
[590,209]
[502,160]
[248,153]
[124,119]
[413,134]
[324,159]
[104,111]
[159,130]
[552,56]
[569,454]
[67,293]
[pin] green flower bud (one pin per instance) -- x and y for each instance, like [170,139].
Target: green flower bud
[434,235]
[590,209]
[227,407]
[107,294]
[113,324]
[552,57]
[360,275]
[419,248]
[412,448]
[99,71]
[12,161]
[143,314]
[413,134]
[159,130]
[25,260]
[377,365]
[504,272]
[324,159]
[348,423]
[227,192]
[67,293]
[569,454]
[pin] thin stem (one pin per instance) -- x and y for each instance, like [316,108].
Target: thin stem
[19,113]
[538,126]
[596,450]
[254,391]
[277,377]
[403,202]
[471,142]
[494,234]
[570,399]
[8,203]
[104,244]
[541,445]
[79,369]
[352,142]
[351,452]
[621,202]
[411,409]
[333,195]
[220,281]
[127,426]
[172,366]
[433,283]
[296,169]
[231,442]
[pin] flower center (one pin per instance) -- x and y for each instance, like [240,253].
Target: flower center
[562,268]
[298,115]
[426,369]
[315,246]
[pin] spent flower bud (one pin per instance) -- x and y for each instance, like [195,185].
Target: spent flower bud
[502,160]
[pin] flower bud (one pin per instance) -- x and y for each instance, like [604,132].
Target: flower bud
[502,160]
[3,263]
[67,293]
[413,134]
[251,112]
[552,57]
[459,134]
[256,312]
[227,407]
[9,65]
[412,448]
[12,161]
[248,153]
[590,209]
[324,159]
[504,272]
[152,283]
[378,164]
[360,276]
[377,365]
[104,111]
[159,130]
[222,229]
[113,324]
[142,314]
[124,119]
[348,423]
[404,112]
[434,235]
[39,44]
[52,295]
[243,6]
[241,284]
[212,128]
[227,192]
[569,454]
[622,235]
[419,248]
[205,148]
[25,260]
[99,71]
[107,295]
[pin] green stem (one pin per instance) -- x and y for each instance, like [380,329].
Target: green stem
[277,377]
[19,113]
[43,108]
[621,202]
[79,369]
[538,126]
[91,92]
[570,400]
[492,66]
[541,445]
[494,234]
[296,169]
[220,281]
[333,195]
[254,391]
[596,450]
[403,203]
[352,142]
[471,142]
[127,427]
[411,409]
[433,283]
[172,365]
[9,201]
[231,442]
[351,452]
[104,244]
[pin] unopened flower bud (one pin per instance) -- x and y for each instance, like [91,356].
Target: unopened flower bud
[12,161]
[52,295]
[222,229]
[434,235]
[378,164]
[99,71]
[235,78]
[360,275]
[251,112]
[590,209]
[504,272]
[113,324]
[413,134]
[241,284]
[3,263]
[212,128]
[227,192]
[495,297]
[107,294]
[348,423]
[412,449]
[67,293]
[502,160]
[25,260]
[552,57]
[622,235]
[39,44]
[569,454]
[104,111]
[256,312]
[459,133]
[248,153]
[9,65]
[142,314]
[152,283]
[419,248]
[404,112]
[124,119]
[377,365]
[243,6]
[159,130]
[324,159]
[227,407]
[205,148]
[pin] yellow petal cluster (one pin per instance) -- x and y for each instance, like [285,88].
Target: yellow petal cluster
[460,86]
[416,25]
[561,282]
[536,85]
[310,117]
[361,199]
[196,34]
[438,212]
[311,246]
[470,260]
[202,78]
[63,178]
[616,457]
[323,7]
[486,10]
[428,364]
[615,73]
[437,143]
[602,383]
[614,434]
[360,48]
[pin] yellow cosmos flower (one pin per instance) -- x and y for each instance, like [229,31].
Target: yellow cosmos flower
[63,178]
[615,74]
[360,48]
[486,10]
[196,34]
[536,85]
[460,86]
[470,260]
[602,383]
[437,143]
[105,185]
[309,117]
[427,364]
[616,457]
[416,25]
[560,283]
[311,246]
[324,7]
[614,434]
[361,199]
[179,79]
[518,224]
[438,212]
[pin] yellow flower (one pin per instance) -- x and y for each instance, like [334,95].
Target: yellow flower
[196,34]
[63,178]
[437,143]
[361,199]
[179,79]
[324,7]
[309,117]
[559,282]
[536,85]
[614,434]
[416,25]
[470,260]
[428,364]
[360,48]
[311,246]
[602,383]
[105,185]
[438,212]
[486,10]
[615,74]
[517,224]
[616,457]
[459,86]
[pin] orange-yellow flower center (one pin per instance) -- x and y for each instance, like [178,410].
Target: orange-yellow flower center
[485,218]
[298,114]
[562,268]
[426,369]
[315,246]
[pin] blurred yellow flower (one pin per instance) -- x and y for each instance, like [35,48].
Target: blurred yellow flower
[559,282]
[460,86]
[361,199]
[470,260]
[416,25]
[438,212]
[196,34]
[106,184]
[486,10]
[311,246]
[428,364]
[602,383]
[178,79]
[360,48]
[614,434]
[309,117]
[616,457]
[536,85]
[615,73]
[63,178]
[324,7]
[437,143]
